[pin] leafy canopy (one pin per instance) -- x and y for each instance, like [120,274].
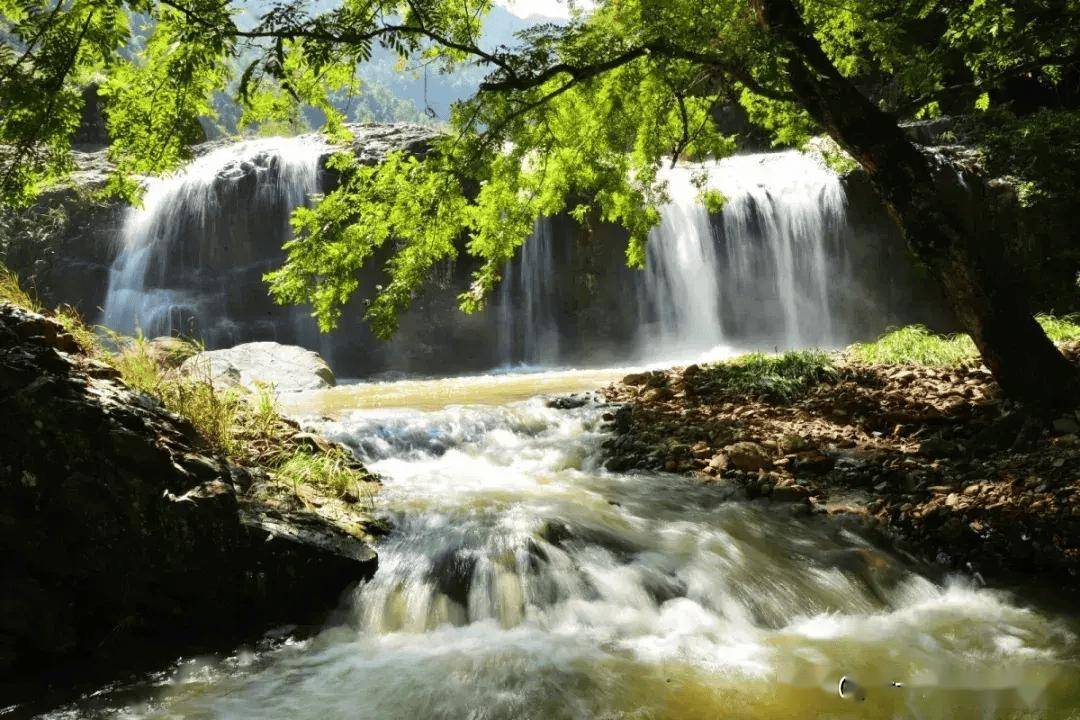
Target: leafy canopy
[575,118]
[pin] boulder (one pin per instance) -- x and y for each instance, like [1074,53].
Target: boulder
[288,368]
[122,533]
[747,456]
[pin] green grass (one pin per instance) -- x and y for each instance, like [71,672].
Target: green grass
[332,471]
[244,426]
[916,345]
[11,291]
[1061,329]
[781,377]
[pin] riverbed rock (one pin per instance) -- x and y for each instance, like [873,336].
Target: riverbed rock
[747,456]
[287,368]
[122,532]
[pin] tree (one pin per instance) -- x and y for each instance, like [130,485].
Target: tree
[578,118]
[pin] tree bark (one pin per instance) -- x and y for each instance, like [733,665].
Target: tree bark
[926,198]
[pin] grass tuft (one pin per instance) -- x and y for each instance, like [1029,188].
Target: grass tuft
[781,378]
[916,345]
[1060,329]
[246,427]
[11,291]
[333,470]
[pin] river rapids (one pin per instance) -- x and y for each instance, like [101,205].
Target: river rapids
[523,580]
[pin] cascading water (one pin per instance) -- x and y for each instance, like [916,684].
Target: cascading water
[191,256]
[766,275]
[774,270]
[528,330]
[524,581]
[681,283]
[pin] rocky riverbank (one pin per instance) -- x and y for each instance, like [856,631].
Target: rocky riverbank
[123,532]
[932,457]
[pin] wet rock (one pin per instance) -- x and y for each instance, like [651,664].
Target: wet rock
[747,456]
[287,368]
[623,418]
[635,379]
[790,493]
[568,402]
[120,530]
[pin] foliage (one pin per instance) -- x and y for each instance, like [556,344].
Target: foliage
[572,118]
[1041,150]
[780,378]
[916,345]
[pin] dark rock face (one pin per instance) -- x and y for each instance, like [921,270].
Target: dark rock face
[119,529]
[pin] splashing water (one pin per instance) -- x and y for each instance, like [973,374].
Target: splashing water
[523,581]
[176,272]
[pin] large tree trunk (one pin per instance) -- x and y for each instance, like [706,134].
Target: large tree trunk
[926,200]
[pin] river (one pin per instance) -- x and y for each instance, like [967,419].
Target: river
[524,581]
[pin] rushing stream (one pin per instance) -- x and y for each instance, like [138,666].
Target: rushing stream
[524,581]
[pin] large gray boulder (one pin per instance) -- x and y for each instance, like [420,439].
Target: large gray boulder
[288,368]
[122,533]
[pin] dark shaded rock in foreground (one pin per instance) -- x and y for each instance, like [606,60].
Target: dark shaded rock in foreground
[121,532]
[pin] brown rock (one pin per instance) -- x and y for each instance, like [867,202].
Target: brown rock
[747,456]
[790,493]
[720,461]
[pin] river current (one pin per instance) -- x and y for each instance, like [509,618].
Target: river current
[523,580]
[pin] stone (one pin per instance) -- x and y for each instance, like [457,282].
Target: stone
[814,462]
[1066,425]
[937,448]
[635,379]
[568,402]
[126,533]
[790,493]
[792,443]
[747,456]
[285,368]
[169,351]
[719,461]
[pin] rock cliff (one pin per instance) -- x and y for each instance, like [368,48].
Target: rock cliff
[120,530]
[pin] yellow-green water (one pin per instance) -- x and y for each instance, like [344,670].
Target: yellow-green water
[524,581]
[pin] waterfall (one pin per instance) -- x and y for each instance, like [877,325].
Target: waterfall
[765,273]
[528,329]
[775,269]
[192,256]
[681,275]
